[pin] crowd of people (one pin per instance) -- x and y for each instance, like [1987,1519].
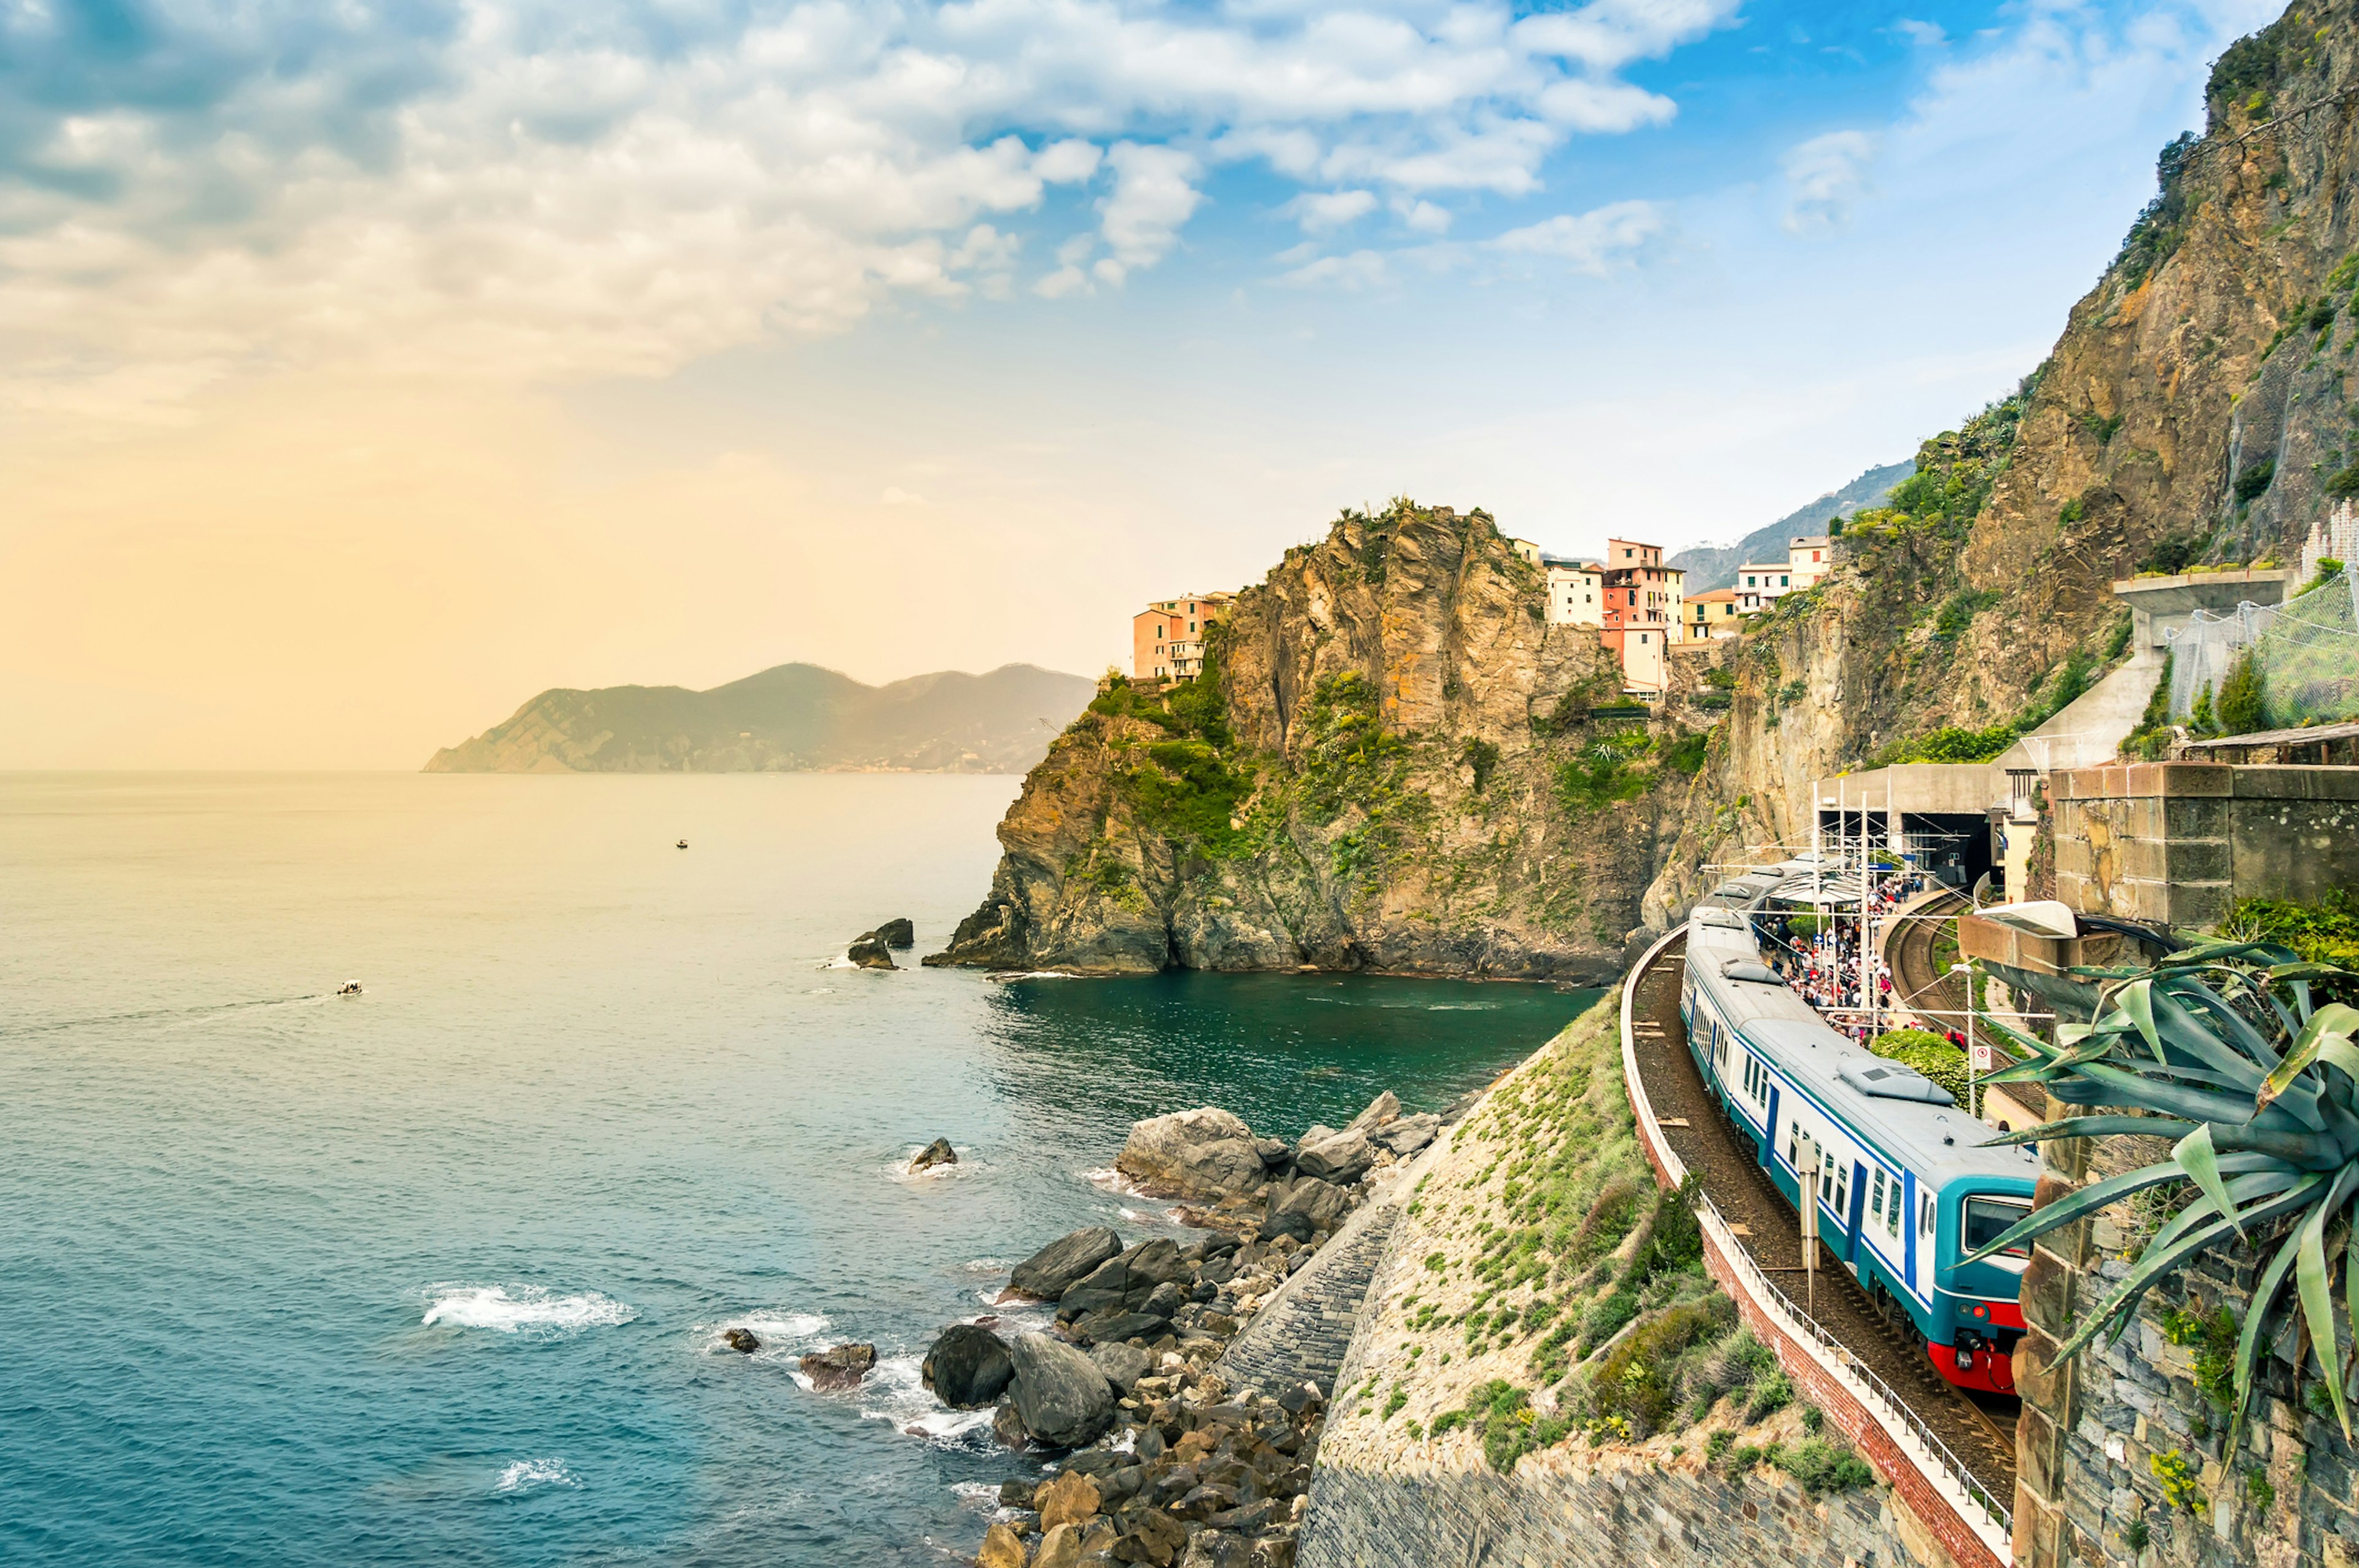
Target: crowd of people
[1818,954]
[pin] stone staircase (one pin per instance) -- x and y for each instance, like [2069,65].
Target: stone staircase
[1301,1333]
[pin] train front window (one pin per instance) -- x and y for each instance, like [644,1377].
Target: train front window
[1989,1218]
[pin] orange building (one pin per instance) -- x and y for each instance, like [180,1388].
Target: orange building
[1166,638]
[1641,613]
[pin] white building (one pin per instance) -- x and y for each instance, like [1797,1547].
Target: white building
[1576,593]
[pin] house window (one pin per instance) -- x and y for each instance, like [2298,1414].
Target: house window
[1783,581]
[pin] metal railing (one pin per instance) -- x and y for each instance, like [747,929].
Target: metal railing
[1801,1322]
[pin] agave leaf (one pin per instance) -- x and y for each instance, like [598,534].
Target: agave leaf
[2318,1301]
[2178,1100]
[2091,1127]
[2137,1001]
[2105,971]
[2265,1293]
[2236,1047]
[2025,1044]
[2195,1156]
[2164,1256]
[2242,1191]
[2097,1194]
[2304,969]
[2303,1151]
[2334,1021]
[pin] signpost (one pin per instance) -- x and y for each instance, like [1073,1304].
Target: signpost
[1807,1164]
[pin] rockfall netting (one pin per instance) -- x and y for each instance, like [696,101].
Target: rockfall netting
[2306,651]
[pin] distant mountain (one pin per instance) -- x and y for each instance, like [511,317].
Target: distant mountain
[793,719]
[1715,566]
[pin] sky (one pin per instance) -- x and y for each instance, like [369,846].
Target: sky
[368,367]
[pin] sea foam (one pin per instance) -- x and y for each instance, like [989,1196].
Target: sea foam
[530,1310]
[526,1473]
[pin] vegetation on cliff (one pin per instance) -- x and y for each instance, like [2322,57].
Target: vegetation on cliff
[1393,760]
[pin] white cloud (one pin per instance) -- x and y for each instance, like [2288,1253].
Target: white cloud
[1320,211]
[1826,177]
[1361,269]
[1154,194]
[1591,241]
[521,189]
[1422,216]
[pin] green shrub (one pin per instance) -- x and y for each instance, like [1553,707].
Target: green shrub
[1821,1466]
[1635,1379]
[1951,744]
[1482,756]
[1717,1445]
[1928,1054]
[1770,1395]
[1685,755]
[2151,740]
[2326,932]
[2244,706]
[2255,477]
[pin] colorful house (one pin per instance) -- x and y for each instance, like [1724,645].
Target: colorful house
[1642,611]
[1166,638]
[1711,614]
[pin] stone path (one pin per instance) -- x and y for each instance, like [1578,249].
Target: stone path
[1301,1333]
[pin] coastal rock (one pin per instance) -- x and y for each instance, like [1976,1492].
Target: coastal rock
[1205,1152]
[839,1367]
[1310,1205]
[896,933]
[1114,1325]
[1069,1498]
[968,1367]
[1125,1280]
[1410,1134]
[1218,1549]
[1069,1546]
[1340,1157]
[937,1153]
[741,1340]
[1009,1427]
[1122,1365]
[1002,1548]
[1058,1393]
[870,953]
[1155,1537]
[1384,1107]
[1277,1153]
[1049,1272]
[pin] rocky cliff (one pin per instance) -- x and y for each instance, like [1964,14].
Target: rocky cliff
[793,718]
[1394,762]
[2198,408]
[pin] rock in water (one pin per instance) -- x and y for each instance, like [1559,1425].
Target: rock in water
[1047,1273]
[937,1153]
[1059,1395]
[741,1340]
[968,1367]
[896,933]
[1204,1152]
[869,953]
[1340,1157]
[1124,1282]
[842,1367]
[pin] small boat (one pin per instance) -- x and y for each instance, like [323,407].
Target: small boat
[683,843]
[350,987]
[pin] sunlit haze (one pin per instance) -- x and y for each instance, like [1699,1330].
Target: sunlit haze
[369,369]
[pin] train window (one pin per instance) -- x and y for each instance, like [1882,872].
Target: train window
[1875,1198]
[1843,1193]
[1986,1220]
[1924,1217]
[1892,1214]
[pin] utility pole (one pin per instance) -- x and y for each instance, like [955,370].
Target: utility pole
[1966,973]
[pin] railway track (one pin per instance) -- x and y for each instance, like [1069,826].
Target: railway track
[1981,1431]
[1918,983]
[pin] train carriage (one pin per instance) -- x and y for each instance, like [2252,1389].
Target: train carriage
[1908,1191]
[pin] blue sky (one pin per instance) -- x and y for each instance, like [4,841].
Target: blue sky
[904,337]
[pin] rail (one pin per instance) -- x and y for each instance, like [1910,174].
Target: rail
[1953,1479]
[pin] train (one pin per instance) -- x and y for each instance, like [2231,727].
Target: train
[1907,1190]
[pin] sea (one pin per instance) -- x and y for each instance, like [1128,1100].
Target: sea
[438,1273]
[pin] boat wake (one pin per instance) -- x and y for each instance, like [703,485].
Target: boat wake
[531,1310]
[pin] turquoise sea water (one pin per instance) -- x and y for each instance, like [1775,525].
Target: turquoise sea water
[436,1274]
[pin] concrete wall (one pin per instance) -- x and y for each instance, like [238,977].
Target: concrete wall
[2182,842]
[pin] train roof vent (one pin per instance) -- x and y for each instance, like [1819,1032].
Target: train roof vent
[1747,969]
[1890,1081]
[1727,919]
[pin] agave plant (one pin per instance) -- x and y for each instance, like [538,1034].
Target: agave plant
[2224,1046]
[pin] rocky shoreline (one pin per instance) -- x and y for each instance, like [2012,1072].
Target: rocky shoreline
[1155,1454]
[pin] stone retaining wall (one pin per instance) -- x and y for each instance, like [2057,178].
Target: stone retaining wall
[1301,1333]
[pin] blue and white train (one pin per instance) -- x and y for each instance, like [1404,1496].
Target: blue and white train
[1907,1191]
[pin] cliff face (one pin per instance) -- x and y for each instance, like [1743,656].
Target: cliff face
[794,717]
[1392,765]
[2198,408]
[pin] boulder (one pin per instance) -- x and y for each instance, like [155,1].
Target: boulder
[1339,1157]
[1308,1207]
[1383,1109]
[1410,1134]
[1203,1152]
[1164,1300]
[1122,1365]
[896,933]
[1015,1494]
[1125,1280]
[1009,1427]
[1067,1547]
[937,1153]
[968,1367]
[840,1366]
[1154,1536]
[1276,1154]
[1218,1549]
[741,1340]
[1068,1499]
[870,953]
[1051,1271]
[1002,1548]
[1114,1325]
[1058,1393]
